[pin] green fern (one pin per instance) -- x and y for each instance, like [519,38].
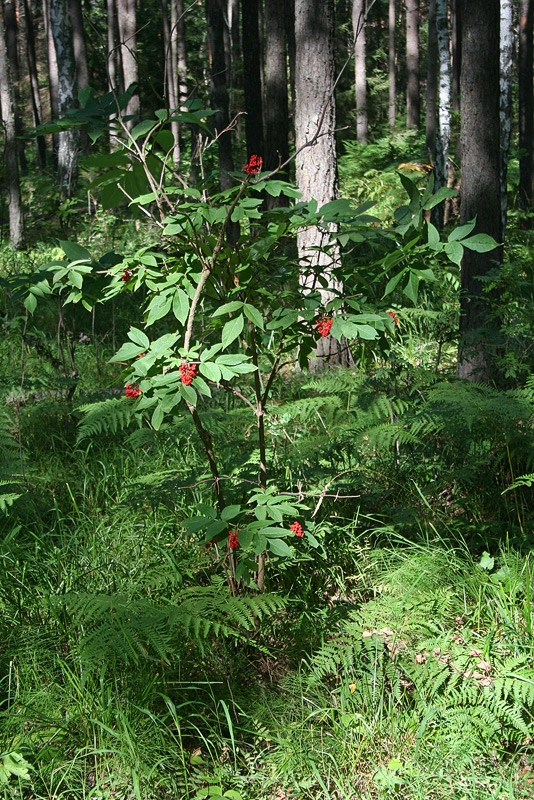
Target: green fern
[106,416]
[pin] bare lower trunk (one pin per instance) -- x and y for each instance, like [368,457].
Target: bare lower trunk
[67,156]
[252,68]
[276,105]
[126,18]
[171,72]
[412,63]
[360,69]
[444,113]
[507,52]
[34,82]
[392,104]
[7,110]
[431,81]
[219,90]
[316,167]
[480,179]
[525,102]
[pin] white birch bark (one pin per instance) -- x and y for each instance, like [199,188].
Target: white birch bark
[360,70]
[444,106]
[67,156]
[505,109]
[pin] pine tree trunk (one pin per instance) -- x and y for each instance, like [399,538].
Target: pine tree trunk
[252,68]
[431,82]
[444,112]
[359,11]
[316,167]
[507,53]
[480,178]
[52,77]
[126,19]
[525,103]
[67,156]
[80,59]
[392,99]
[276,99]
[7,112]
[412,64]
[34,83]
[12,39]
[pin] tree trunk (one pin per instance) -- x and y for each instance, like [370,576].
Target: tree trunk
[181,55]
[111,69]
[219,89]
[480,177]
[12,39]
[80,59]
[444,112]
[412,63]
[67,156]
[431,82]
[525,103]
[34,83]
[359,10]
[316,167]
[52,77]
[252,68]
[456,51]
[171,72]
[507,53]
[7,112]
[392,104]
[276,99]
[126,19]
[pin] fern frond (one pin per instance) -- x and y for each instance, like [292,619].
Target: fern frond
[104,417]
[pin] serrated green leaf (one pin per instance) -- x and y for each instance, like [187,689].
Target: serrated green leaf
[480,242]
[74,251]
[411,289]
[126,352]
[30,302]
[157,417]
[461,231]
[230,512]
[188,393]
[279,548]
[440,195]
[158,308]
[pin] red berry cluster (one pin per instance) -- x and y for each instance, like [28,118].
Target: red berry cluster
[140,355]
[395,320]
[254,165]
[296,527]
[126,275]
[323,325]
[233,540]
[187,373]
[132,391]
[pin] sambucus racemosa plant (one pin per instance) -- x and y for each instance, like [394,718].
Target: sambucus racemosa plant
[237,305]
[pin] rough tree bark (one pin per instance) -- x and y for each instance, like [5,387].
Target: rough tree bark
[480,178]
[276,99]
[67,155]
[126,19]
[52,77]
[507,53]
[34,82]
[359,10]
[219,90]
[252,68]
[171,72]
[392,100]
[7,112]
[412,64]
[111,69]
[316,167]
[526,17]
[456,51]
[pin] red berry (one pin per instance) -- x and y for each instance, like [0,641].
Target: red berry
[296,527]
[254,165]
[233,540]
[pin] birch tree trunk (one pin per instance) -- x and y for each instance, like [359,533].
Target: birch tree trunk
[67,156]
[316,166]
[431,82]
[177,21]
[7,112]
[359,9]
[412,64]
[507,53]
[444,110]
[525,102]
